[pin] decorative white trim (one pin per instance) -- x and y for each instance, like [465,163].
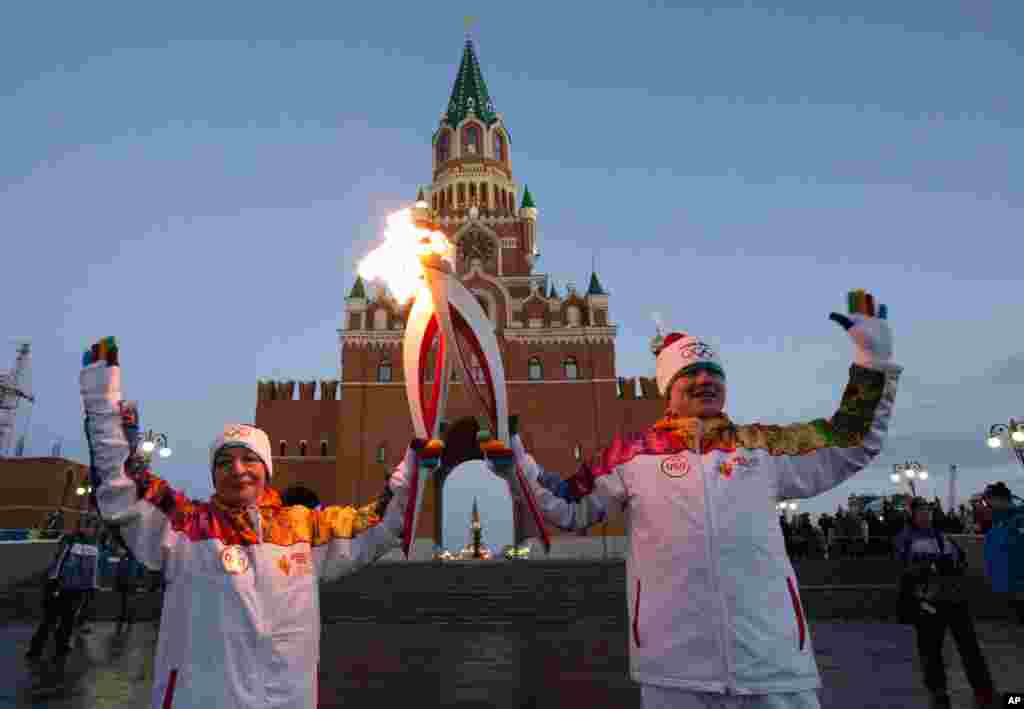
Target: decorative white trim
[372,338]
[305,459]
[516,332]
[563,335]
[509,381]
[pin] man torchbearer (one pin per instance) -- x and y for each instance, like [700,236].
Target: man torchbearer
[715,613]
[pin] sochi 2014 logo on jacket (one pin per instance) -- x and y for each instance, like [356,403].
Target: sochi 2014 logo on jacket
[675,466]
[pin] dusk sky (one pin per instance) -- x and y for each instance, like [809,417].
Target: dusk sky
[201,179]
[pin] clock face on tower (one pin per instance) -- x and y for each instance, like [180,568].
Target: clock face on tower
[473,245]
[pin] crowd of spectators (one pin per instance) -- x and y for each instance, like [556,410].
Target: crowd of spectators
[859,534]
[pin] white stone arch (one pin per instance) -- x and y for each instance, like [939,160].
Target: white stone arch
[484,276]
[466,481]
[435,144]
[498,129]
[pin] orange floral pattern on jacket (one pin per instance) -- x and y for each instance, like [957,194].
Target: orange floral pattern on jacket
[281,526]
[846,429]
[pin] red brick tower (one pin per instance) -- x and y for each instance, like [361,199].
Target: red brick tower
[559,351]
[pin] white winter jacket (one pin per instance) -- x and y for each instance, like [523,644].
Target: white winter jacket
[714,604]
[241,614]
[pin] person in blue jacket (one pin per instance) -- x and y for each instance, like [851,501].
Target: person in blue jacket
[1004,546]
[933,600]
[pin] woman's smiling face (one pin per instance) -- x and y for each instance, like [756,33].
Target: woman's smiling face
[239,475]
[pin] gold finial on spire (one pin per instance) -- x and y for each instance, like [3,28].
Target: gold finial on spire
[469,21]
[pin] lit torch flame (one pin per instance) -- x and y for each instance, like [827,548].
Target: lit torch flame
[396,262]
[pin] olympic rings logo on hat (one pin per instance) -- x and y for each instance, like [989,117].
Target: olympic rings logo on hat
[238,432]
[697,350]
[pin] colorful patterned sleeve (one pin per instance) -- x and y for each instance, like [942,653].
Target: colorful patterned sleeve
[813,457]
[346,539]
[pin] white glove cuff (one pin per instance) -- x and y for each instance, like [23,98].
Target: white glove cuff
[101,388]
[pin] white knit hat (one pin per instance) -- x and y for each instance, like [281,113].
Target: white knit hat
[243,436]
[678,352]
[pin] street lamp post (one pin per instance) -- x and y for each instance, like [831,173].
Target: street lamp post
[155,442]
[909,472]
[84,493]
[1012,435]
[790,505]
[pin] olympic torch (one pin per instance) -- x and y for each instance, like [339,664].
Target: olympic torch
[446,311]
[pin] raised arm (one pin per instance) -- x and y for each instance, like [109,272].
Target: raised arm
[346,539]
[142,505]
[814,457]
[574,504]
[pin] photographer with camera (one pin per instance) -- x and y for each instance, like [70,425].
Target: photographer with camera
[933,598]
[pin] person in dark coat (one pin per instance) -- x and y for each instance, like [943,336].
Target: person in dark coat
[933,599]
[72,576]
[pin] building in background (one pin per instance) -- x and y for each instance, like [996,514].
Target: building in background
[558,348]
[33,488]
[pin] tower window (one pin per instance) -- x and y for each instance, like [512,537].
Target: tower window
[384,371]
[443,147]
[380,319]
[573,313]
[302,448]
[462,194]
[499,147]
[508,243]
[572,370]
[323,448]
[282,448]
[471,140]
[536,371]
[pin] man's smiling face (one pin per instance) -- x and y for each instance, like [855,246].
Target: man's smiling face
[700,394]
[239,476]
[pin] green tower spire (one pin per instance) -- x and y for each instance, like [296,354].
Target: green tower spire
[470,91]
[528,198]
[595,286]
[358,290]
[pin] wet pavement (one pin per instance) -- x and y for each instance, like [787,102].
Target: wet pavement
[573,664]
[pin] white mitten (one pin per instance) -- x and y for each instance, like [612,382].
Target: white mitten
[100,379]
[870,332]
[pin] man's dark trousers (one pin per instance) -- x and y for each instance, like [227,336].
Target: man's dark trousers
[59,608]
[931,632]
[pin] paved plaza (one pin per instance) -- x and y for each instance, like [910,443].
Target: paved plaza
[561,666]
